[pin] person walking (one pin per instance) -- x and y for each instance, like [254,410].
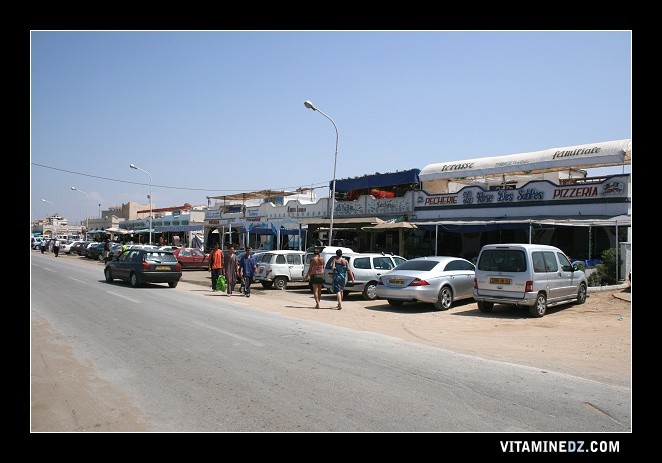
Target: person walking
[316,276]
[231,267]
[56,247]
[215,265]
[106,250]
[341,272]
[248,267]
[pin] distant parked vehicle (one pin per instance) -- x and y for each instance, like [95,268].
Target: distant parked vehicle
[192,258]
[278,268]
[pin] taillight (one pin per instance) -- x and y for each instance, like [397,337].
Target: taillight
[380,282]
[475,283]
[419,282]
[178,267]
[146,265]
[528,288]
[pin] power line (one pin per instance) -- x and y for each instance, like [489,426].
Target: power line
[312,186]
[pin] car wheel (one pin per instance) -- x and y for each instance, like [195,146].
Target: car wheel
[266,284]
[173,284]
[485,307]
[370,291]
[444,299]
[540,307]
[134,280]
[581,294]
[395,303]
[108,274]
[280,283]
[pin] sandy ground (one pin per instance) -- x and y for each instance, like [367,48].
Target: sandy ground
[592,340]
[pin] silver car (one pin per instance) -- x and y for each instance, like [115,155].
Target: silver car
[438,280]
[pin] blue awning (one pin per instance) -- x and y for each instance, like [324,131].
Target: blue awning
[406,177]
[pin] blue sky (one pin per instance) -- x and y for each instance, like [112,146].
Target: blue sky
[221,112]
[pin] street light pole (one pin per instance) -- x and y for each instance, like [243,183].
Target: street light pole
[133,166]
[309,104]
[87,227]
[54,232]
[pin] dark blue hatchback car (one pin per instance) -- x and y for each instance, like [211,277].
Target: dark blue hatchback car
[138,266]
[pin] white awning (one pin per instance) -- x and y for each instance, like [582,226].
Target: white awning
[612,153]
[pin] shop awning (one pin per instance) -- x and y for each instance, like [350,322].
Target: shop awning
[343,221]
[180,228]
[406,177]
[262,194]
[612,153]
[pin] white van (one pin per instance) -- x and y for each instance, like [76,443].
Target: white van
[530,275]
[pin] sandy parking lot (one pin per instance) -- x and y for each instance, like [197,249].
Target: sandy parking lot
[592,340]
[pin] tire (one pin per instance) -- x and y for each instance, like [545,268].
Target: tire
[370,291]
[266,284]
[108,274]
[540,308]
[444,299]
[485,307]
[173,284]
[581,294]
[134,280]
[395,303]
[280,283]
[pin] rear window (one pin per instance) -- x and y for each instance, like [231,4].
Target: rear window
[419,265]
[157,256]
[502,260]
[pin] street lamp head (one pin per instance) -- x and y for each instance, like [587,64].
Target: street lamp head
[73,187]
[309,104]
[133,166]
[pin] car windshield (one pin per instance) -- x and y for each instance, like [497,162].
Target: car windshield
[418,265]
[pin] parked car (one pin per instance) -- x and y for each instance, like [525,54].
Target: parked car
[278,268]
[139,266]
[95,251]
[66,246]
[192,258]
[439,280]
[367,268]
[535,276]
[77,248]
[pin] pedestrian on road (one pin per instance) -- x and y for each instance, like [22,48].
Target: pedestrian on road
[106,250]
[248,267]
[215,265]
[56,247]
[341,272]
[231,267]
[316,276]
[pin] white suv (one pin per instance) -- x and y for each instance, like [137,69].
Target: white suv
[278,268]
[530,275]
[367,268]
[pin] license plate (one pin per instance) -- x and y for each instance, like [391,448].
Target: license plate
[500,281]
[162,267]
[397,282]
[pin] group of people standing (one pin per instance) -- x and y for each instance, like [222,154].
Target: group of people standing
[233,269]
